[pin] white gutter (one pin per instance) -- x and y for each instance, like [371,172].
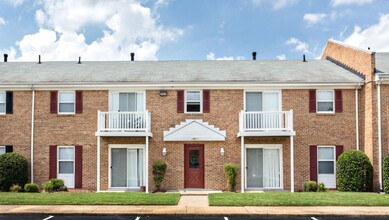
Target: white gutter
[32,134]
[356,119]
[379,132]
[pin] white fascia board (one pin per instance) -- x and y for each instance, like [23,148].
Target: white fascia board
[182,86]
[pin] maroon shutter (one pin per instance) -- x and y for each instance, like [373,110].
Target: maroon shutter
[180,101]
[9,149]
[206,101]
[339,151]
[53,161]
[78,102]
[78,167]
[338,101]
[312,101]
[313,162]
[53,102]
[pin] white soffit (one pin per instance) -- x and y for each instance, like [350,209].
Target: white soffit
[194,130]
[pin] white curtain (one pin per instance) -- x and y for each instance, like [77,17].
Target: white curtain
[271,168]
[132,168]
[271,103]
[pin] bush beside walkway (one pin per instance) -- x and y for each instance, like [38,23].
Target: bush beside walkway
[299,199]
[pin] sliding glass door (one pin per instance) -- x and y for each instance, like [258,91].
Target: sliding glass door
[263,168]
[127,167]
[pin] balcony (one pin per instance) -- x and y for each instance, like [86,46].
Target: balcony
[123,124]
[267,123]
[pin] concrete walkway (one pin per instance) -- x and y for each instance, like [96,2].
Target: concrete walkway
[184,210]
[193,201]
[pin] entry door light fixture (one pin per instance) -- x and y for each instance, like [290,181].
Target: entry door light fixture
[222,151]
[164,151]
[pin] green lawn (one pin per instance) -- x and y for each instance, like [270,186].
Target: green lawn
[8,198]
[298,199]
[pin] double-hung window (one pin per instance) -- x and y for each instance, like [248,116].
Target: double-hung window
[326,166]
[2,102]
[2,150]
[193,103]
[66,102]
[325,101]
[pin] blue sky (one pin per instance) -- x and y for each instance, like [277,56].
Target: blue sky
[187,30]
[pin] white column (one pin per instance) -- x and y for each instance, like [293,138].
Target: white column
[356,119]
[242,182]
[98,165]
[291,163]
[32,136]
[379,133]
[147,165]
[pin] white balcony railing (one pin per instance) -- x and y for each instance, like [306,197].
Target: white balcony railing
[266,121]
[124,122]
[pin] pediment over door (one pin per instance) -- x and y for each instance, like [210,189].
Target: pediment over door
[194,130]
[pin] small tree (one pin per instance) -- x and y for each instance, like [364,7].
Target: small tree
[354,172]
[231,171]
[13,170]
[159,171]
[386,174]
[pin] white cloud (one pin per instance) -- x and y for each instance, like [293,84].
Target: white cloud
[2,21]
[276,4]
[349,2]
[11,53]
[281,57]
[314,18]
[211,56]
[128,27]
[299,45]
[15,2]
[376,36]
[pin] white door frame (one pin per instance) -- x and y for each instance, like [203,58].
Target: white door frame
[126,146]
[67,176]
[266,146]
[334,160]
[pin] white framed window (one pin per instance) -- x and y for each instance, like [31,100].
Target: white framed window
[2,102]
[325,101]
[2,150]
[258,101]
[123,101]
[326,166]
[66,102]
[66,165]
[193,101]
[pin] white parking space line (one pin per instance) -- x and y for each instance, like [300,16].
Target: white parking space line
[137,218]
[313,218]
[50,217]
[225,218]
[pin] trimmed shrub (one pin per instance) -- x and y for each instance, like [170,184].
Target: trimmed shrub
[54,185]
[354,172]
[31,188]
[310,186]
[159,171]
[321,187]
[231,171]
[13,170]
[385,172]
[16,188]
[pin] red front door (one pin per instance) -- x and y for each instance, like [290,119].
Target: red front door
[194,165]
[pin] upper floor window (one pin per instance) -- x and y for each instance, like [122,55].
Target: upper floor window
[66,102]
[2,150]
[193,101]
[262,101]
[325,101]
[2,102]
[127,101]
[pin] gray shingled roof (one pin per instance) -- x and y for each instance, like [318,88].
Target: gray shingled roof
[246,71]
[382,62]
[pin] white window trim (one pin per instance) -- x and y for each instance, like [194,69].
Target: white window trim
[126,146]
[5,103]
[264,91]
[74,160]
[110,98]
[333,102]
[201,101]
[3,147]
[74,103]
[265,146]
[331,160]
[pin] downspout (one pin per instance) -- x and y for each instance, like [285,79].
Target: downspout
[379,132]
[32,134]
[356,119]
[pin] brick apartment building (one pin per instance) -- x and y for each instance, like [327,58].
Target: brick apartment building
[101,125]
